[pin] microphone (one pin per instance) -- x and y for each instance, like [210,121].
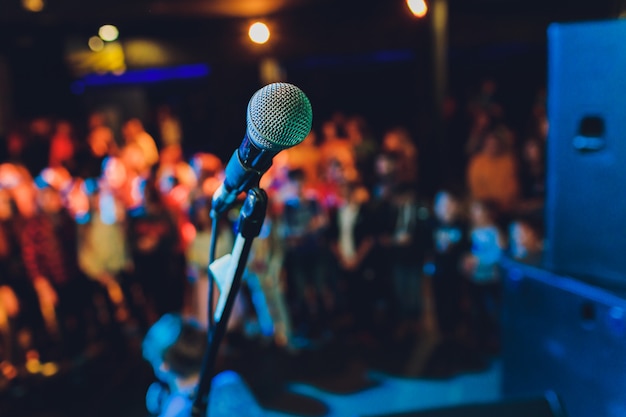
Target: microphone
[279,116]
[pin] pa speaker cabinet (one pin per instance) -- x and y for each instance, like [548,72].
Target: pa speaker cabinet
[563,335]
[586,152]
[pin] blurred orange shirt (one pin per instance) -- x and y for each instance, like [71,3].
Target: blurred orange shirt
[494,178]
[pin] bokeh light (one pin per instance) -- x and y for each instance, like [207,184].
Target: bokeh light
[108,33]
[419,8]
[96,44]
[259,32]
[33,5]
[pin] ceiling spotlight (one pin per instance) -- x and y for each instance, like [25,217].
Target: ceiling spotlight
[419,8]
[108,33]
[259,32]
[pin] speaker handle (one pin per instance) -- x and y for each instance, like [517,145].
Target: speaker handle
[590,136]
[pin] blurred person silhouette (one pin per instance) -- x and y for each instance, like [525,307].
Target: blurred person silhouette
[265,281]
[334,146]
[62,146]
[532,177]
[364,147]
[37,145]
[450,241]
[9,309]
[135,162]
[484,112]
[307,157]
[174,347]
[170,156]
[15,144]
[209,171]
[21,324]
[21,186]
[397,168]
[334,172]
[351,237]
[207,166]
[486,100]
[20,198]
[177,182]
[481,268]
[492,173]
[539,123]
[275,180]
[384,191]
[407,241]
[385,171]
[104,253]
[303,224]
[480,124]
[197,255]
[135,135]
[99,144]
[526,239]
[154,241]
[398,140]
[50,253]
[169,126]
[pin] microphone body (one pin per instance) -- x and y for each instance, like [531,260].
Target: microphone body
[279,116]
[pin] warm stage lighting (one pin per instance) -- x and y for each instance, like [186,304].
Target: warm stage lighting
[417,7]
[33,5]
[96,44]
[259,32]
[108,33]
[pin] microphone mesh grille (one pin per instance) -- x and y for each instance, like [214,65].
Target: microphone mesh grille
[279,117]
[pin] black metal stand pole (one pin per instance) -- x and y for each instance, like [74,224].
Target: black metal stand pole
[251,218]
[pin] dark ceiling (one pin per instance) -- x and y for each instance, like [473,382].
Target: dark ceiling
[214,31]
[300,26]
[71,10]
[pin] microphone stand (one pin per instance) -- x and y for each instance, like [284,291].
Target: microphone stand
[251,218]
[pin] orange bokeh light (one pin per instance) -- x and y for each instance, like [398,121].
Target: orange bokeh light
[419,8]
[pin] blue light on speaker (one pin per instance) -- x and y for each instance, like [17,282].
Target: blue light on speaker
[616,321]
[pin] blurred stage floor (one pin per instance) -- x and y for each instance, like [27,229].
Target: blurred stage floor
[340,378]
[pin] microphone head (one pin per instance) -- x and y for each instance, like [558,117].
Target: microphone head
[279,117]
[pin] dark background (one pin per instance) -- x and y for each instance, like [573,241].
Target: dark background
[366,57]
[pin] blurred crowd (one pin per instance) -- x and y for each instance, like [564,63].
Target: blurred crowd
[102,234]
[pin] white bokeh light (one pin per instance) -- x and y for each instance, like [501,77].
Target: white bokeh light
[108,33]
[259,33]
[419,8]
